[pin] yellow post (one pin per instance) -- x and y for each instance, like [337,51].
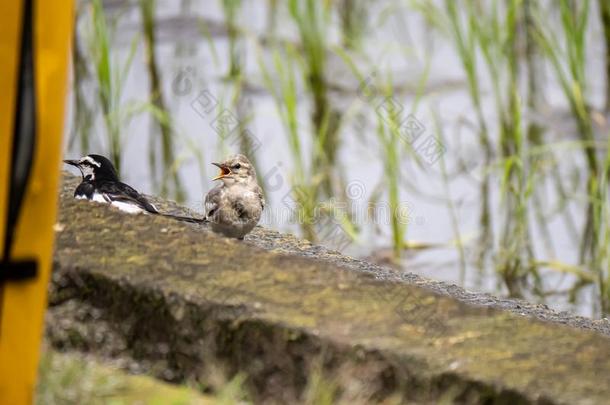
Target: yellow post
[23,302]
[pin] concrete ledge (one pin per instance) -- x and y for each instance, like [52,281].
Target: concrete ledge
[178,302]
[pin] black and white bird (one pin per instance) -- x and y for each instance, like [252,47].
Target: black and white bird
[100,183]
[234,207]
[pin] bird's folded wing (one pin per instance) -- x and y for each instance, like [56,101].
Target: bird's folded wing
[261,196]
[122,192]
[212,202]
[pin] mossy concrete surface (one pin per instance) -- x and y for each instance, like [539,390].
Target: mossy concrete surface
[174,300]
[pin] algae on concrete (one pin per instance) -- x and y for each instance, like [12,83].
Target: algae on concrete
[177,301]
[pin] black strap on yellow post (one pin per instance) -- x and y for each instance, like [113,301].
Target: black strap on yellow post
[24,139]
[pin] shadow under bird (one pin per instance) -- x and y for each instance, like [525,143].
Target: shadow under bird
[100,183]
[235,205]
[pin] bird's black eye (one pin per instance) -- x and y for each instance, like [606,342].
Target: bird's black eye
[237,166]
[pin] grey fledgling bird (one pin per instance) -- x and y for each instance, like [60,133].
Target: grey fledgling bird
[234,207]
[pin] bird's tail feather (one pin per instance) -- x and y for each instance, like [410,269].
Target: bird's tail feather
[191,220]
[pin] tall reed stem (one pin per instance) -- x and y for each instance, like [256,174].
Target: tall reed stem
[312,18]
[604,12]
[147,12]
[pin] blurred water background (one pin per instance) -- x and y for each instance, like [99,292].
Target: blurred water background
[466,141]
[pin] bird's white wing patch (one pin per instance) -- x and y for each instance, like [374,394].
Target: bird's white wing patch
[127,207]
[100,198]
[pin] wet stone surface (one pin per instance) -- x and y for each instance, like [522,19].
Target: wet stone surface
[176,301]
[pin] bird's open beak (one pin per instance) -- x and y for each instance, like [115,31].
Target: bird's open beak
[224,171]
[71,162]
